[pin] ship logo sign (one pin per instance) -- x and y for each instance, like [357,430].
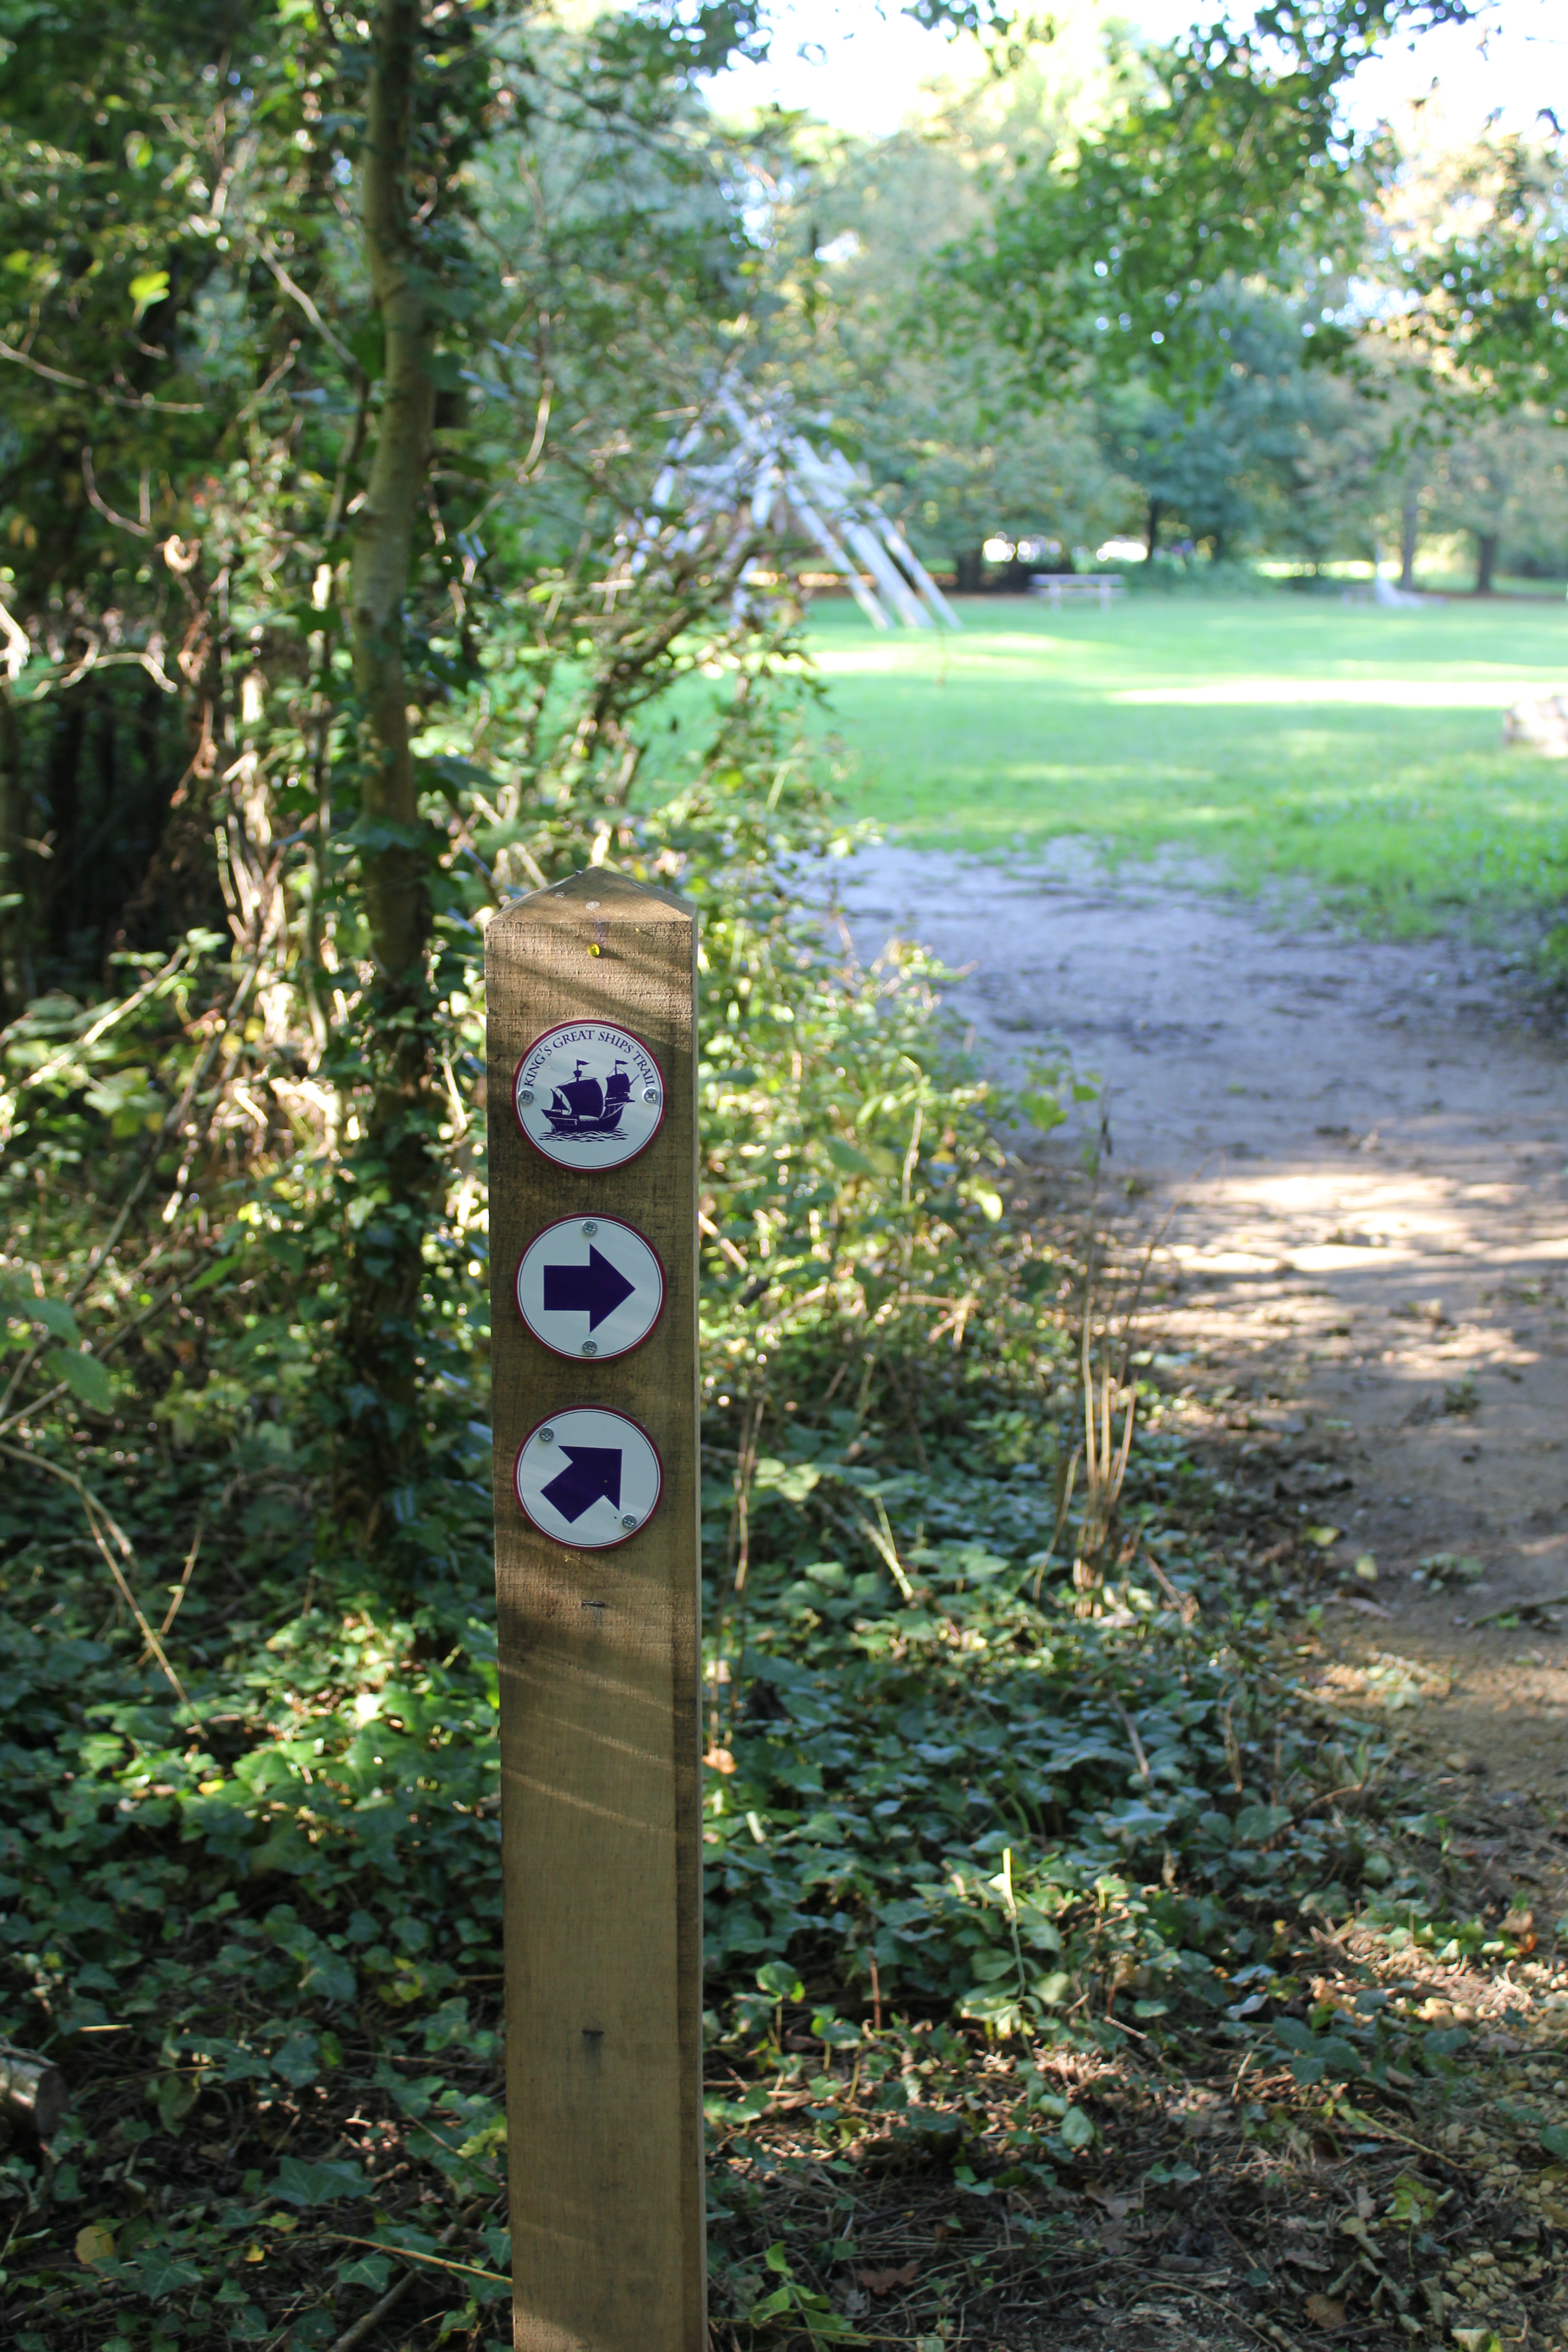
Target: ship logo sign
[589,1095]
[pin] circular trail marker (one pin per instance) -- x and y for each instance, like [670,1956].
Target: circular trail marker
[589,1095]
[590,1286]
[588,1477]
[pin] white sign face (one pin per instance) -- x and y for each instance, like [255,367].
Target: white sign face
[589,1095]
[590,1286]
[589,1478]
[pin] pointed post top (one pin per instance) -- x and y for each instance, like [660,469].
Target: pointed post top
[597,890]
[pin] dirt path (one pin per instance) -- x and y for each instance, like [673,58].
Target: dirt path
[1365,1158]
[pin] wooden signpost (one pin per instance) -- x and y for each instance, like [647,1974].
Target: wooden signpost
[591,988]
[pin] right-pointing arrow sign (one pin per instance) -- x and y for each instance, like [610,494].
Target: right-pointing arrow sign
[597,1309]
[595,1289]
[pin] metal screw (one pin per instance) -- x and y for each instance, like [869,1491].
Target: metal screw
[650,1094]
[590,1347]
[526,1096]
[545,1436]
[629,1522]
[590,1227]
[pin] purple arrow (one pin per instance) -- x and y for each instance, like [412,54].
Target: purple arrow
[595,1470]
[595,1289]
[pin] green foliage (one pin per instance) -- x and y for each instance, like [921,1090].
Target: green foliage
[1486,275]
[1227,161]
[1229,470]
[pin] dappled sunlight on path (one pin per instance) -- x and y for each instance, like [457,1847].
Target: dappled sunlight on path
[1356,1155]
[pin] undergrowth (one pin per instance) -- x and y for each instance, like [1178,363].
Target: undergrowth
[1036,1925]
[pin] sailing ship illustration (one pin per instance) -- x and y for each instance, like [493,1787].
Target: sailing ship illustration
[583,1107]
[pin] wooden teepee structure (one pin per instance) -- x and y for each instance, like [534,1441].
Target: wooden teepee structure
[743,483]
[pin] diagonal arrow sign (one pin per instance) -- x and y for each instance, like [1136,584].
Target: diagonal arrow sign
[595,1470]
[595,1289]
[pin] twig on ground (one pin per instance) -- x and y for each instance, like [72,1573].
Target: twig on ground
[1520,1608]
[174,1609]
[352,2337]
[1127,1724]
[95,1511]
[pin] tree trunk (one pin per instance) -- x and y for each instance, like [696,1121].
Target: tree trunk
[1151,527]
[17,980]
[1409,533]
[1486,560]
[394,895]
[969,573]
[394,1165]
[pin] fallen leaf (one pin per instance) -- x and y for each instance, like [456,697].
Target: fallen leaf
[1322,1536]
[1366,1566]
[1324,2312]
[880,2282]
[94,2244]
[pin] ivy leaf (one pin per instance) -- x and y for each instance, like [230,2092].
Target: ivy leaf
[1255,1824]
[845,1157]
[299,2183]
[55,1316]
[86,1378]
[175,2095]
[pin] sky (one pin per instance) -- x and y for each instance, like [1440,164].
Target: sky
[860,66]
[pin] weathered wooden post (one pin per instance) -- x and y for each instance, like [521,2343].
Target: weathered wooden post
[591,988]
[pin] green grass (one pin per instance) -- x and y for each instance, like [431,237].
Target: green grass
[1272,735]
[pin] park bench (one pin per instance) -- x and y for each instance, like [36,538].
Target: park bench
[1077,585]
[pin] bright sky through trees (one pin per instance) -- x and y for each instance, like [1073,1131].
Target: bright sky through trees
[862,65]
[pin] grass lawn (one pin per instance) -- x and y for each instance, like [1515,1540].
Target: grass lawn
[1274,734]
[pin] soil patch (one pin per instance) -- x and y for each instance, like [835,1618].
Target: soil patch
[1356,1155]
